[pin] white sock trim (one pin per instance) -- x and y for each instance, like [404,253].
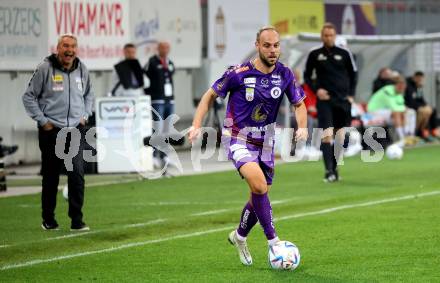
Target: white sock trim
[273,241]
[239,237]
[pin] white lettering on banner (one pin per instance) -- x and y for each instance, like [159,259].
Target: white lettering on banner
[82,18]
[19,21]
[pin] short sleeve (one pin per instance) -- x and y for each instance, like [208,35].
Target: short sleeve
[226,83]
[294,91]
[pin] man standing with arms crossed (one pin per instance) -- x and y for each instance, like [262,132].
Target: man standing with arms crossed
[255,90]
[335,86]
[60,95]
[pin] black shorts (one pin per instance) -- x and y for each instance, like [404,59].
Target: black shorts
[333,114]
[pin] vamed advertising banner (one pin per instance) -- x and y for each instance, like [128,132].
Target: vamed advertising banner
[101,26]
[23,34]
[232,28]
[293,16]
[175,21]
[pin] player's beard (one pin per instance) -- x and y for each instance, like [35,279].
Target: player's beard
[265,61]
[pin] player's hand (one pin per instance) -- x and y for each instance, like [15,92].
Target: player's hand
[301,134]
[322,94]
[48,126]
[350,99]
[193,134]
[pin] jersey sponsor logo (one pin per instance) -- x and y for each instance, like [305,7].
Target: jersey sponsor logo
[250,80]
[276,76]
[57,78]
[242,69]
[276,82]
[257,115]
[57,83]
[338,57]
[275,92]
[322,57]
[249,94]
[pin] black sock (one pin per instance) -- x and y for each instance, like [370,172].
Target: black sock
[328,156]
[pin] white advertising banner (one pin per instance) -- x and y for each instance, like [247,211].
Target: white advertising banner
[175,21]
[233,25]
[102,28]
[122,124]
[23,35]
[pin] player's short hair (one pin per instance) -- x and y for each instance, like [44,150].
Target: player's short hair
[129,45]
[69,35]
[264,29]
[328,25]
[419,74]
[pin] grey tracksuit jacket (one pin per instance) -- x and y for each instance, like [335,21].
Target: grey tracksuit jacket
[59,96]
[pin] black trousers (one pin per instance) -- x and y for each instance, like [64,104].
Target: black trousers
[51,167]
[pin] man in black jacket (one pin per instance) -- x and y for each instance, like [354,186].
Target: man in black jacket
[128,76]
[334,85]
[160,70]
[426,115]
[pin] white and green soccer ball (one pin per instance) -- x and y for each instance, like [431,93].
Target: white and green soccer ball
[394,151]
[284,255]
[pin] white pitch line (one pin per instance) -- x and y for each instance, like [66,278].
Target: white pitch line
[4,246]
[200,233]
[348,206]
[211,212]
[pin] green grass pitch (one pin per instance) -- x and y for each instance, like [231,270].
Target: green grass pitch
[381,223]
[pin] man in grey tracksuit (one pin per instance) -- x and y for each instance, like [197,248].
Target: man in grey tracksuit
[59,95]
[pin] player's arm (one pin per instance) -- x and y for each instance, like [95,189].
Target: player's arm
[301,120]
[203,108]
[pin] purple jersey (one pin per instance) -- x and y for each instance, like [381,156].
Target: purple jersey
[254,97]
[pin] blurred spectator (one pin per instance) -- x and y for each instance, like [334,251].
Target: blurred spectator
[128,76]
[388,104]
[383,78]
[160,70]
[4,151]
[426,115]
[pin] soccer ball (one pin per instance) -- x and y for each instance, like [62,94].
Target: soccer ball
[284,255]
[394,152]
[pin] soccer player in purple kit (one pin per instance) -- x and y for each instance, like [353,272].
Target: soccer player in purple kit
[255,92]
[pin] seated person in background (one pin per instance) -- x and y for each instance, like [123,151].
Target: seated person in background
[388,104]
[426,115]
[383,78]
[128,75]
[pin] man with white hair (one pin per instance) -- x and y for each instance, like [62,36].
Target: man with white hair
[60,95]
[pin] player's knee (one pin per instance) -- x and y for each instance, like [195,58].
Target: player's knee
[259,187]
[327,139]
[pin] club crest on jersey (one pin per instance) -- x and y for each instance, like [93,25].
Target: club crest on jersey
[338,57]
[257,116]
[275,92]
[322,57]
[249,94]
